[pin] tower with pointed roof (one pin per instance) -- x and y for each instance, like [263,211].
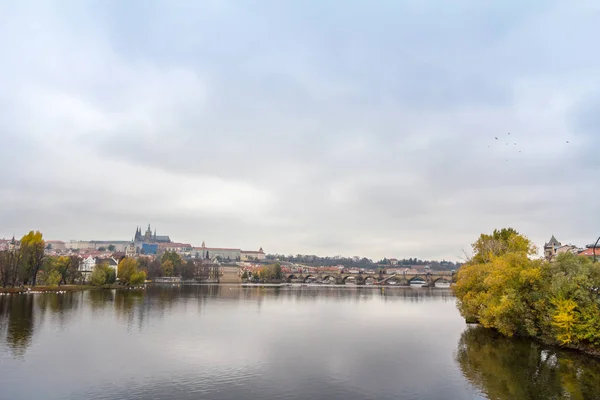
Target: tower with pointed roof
[12,245]
[551,247]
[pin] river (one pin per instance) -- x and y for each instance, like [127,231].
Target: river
[231,342]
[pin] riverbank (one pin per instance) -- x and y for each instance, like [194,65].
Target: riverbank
[61,288]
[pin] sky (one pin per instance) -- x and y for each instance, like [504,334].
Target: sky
[355,128]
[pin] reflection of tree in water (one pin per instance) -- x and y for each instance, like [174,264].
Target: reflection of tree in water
[99,300]
[16,314]
[126,301]
[60,306]
[511,368]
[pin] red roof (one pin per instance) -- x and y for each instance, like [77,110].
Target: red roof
[590,252]
[216,248]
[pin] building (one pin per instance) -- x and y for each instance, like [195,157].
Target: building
[87,264]
[589,251]
[551,248]
[131,250]
[57,245]
[213,253]
[253,255]
[567,248]
[179,248]
[148,238]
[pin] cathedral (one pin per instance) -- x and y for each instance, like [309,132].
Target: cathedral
[149,237]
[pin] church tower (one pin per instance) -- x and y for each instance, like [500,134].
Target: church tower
[148,235]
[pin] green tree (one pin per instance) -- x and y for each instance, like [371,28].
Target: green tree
[138,278]
[67,268]
[277,272]
[245,276]
[32,250]
[167,268]
[98,277]
[173,257]
[53,278]
[111,247]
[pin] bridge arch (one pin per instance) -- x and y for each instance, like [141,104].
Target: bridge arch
[442,279]
[328,278]
[351,278]
[291,278]
[309,277]
[417,278]
[368,280]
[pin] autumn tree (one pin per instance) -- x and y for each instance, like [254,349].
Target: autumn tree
[167,268]
[128,272]
[32,254]
[67,267]
[504,288]
[497,286]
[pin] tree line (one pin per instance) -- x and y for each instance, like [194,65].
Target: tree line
[505,288]
[25,263]
[268,273]
[367,263]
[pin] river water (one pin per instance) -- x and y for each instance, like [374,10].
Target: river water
[231,342]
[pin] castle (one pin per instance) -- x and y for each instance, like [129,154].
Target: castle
[149,237]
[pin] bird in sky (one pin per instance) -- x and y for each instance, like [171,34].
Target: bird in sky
[567,141]
[509,133]
[496,137]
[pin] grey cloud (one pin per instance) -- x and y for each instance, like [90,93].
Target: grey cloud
[301,128]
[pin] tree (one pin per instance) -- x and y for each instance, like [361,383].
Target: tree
[67,268]
[502,288]
[111,247]
[496,288]
[138,278]
[167,268]
[127,267]
[501,242]
[32,254]
[103,274]
[172,256]
[53,278]
[245,276]
[277,272]
[98,277]
[101,248]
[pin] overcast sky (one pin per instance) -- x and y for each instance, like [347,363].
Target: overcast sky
[317,127]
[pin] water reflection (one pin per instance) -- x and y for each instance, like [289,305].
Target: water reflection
[225,342]
[17,321]
[135,308]
[512,368]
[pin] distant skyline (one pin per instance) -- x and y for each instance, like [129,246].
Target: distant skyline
[354,128]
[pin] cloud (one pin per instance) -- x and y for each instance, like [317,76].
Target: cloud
[302,128]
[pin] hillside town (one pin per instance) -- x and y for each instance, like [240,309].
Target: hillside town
[205,263]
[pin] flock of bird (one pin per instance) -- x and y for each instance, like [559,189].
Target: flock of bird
[514,143]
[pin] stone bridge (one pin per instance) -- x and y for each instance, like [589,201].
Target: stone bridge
[399,279]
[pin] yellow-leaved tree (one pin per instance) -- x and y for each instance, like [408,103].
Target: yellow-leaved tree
[500,284]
